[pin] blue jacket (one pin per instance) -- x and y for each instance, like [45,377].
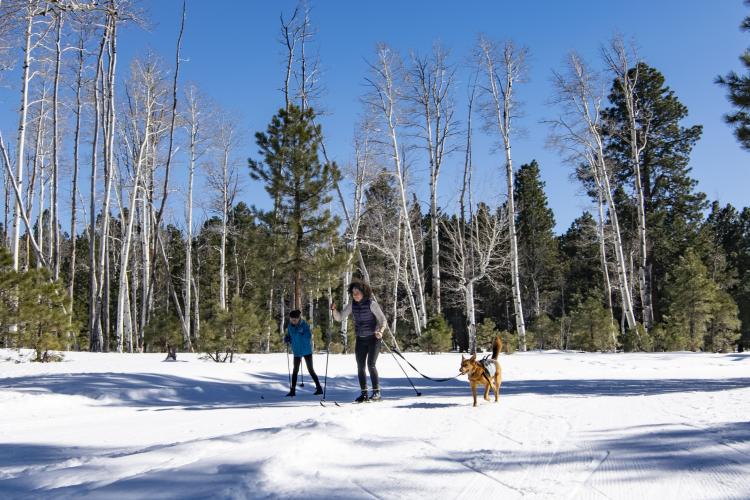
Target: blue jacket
[301,338]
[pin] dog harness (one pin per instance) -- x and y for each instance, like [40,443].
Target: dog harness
[488,365]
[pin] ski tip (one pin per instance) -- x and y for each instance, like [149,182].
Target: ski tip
[323,403]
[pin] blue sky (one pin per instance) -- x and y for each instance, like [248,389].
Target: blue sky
[233,55]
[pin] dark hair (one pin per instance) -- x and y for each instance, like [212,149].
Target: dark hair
[362,287]
[295,314]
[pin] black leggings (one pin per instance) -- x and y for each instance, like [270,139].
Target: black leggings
[366,351]
[310,369]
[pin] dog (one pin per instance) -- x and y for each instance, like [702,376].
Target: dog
[484,372]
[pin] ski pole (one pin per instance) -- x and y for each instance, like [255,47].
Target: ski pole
[325,377]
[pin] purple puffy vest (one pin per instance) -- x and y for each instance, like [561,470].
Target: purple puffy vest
[365,321]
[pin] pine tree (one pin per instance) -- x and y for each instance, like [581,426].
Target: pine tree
[673,207]
[295,177]
[36,305]
[234,330]
[695,300]
[437,336]
[8,284]
[486,333]
[728,235]
[738,87]
[579,263]
[590,326]
[723,330]
[537,247]
[545,333]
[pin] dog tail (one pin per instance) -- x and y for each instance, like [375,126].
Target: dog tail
[497,346]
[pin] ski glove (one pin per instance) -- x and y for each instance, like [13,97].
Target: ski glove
[287,339]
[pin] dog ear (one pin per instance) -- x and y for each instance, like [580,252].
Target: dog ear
[474,357]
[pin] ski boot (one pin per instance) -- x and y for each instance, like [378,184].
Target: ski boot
[362,397]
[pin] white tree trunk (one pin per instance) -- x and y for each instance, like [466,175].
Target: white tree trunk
[109,132]
[580,95]
[74,183]
[618,60]
[603,257]
[96,340]
[471,320]
[128,234]
[21,141]
[500,89]
[38,166]
[54,215]
[388,103]
[187,294]
[224,228]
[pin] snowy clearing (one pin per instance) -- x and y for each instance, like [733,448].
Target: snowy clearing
[568,425]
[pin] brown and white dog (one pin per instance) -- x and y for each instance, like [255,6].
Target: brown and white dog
[481,372]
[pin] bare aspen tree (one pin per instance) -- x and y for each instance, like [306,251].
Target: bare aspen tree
[37,166]
[290,35]
[173,120]
[363,160]
[32,14]
[113,13]
[384,99]
[19,200]
[146,100]
[156,217]
[578,130]
[26,12]
[107,82]
[602,222]
[31,9]
[223,181]
[431,81]
[6,207]
[81,56]
[195,124]
[503,69]
[55,209]
[96,340]
[474,254]
[620,60]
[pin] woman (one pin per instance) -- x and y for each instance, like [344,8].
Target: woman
[369,323]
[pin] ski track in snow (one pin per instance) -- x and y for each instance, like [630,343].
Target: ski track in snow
[568,425]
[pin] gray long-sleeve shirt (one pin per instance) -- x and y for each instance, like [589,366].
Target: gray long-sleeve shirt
[374,308]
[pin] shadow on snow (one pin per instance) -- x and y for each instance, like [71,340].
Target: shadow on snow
[268,389]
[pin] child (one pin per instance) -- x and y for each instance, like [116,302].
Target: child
[299,336]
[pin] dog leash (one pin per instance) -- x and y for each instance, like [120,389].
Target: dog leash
[395,350]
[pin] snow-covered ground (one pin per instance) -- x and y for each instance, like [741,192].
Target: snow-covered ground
[568,425]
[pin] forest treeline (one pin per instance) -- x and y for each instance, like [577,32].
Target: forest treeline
[124,227]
